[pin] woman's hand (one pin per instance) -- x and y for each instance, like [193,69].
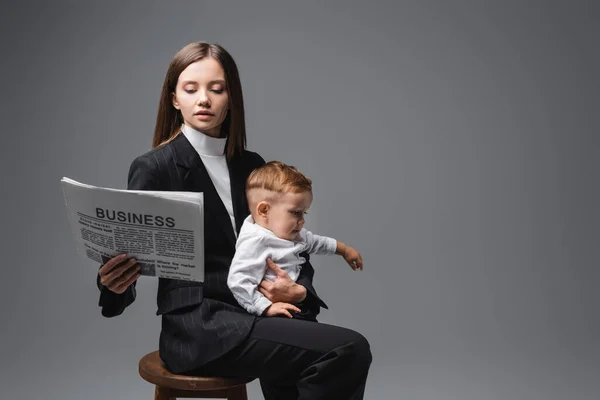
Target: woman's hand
[283,288]
[119,273]
[281,308]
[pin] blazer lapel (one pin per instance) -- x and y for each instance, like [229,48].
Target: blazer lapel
[195,178]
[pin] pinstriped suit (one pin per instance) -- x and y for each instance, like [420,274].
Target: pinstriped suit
[200,321]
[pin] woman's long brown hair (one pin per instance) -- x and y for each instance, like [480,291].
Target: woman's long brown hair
[169,120]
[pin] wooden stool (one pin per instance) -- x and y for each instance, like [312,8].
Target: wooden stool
[171,386]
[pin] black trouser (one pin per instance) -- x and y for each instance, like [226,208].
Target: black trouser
[296,359]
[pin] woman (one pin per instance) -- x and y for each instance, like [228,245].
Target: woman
[199,145]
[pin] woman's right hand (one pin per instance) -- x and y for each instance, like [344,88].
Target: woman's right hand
[119,273]
[283,288]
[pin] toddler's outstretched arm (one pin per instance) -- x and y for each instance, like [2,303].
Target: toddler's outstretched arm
[352,257]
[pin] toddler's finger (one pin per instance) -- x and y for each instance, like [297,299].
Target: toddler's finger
[291,307]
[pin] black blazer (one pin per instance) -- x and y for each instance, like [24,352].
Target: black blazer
[176,166]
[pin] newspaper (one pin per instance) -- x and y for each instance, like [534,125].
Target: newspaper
[163,231]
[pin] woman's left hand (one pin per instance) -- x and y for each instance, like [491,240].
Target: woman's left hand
[283,288]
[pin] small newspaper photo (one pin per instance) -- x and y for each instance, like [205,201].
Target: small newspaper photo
[162,230]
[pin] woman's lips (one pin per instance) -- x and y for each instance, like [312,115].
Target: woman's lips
[204,117]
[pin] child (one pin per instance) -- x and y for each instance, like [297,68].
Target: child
[278,197]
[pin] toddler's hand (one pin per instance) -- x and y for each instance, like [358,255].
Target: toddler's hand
[353,258]
[280,308]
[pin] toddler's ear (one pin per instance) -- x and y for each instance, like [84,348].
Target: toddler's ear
[263,209]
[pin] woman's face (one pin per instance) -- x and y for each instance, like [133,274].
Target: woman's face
[201,96]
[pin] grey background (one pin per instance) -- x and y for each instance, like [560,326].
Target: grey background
[453,143]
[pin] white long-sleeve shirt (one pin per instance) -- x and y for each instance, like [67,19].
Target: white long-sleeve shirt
[249,264]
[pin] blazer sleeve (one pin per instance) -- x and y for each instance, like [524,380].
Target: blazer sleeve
[306,279]
[142,176]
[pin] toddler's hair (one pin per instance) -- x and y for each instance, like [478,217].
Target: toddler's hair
[278,177]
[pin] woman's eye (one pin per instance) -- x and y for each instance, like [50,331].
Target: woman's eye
[218,91]
[190,90]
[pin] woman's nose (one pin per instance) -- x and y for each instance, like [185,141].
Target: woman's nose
[203,98]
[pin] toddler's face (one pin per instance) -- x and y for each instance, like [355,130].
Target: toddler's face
[286,216]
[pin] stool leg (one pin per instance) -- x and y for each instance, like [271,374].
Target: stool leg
[237,393]
[162,394]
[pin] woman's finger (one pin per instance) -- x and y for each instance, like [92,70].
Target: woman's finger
[285,312]
[278,271]
[121,284]
[111,264]
[265,293]
[115,276]
[266,284]
[127,275]
[122,287]
[116,271]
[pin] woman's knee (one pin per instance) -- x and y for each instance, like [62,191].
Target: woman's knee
[362,351]
[356,350]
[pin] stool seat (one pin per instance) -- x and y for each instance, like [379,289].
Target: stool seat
[171,386]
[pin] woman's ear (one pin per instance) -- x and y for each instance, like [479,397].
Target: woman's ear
[174,101]
[263,209]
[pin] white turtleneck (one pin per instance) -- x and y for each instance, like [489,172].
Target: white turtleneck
[212,152]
